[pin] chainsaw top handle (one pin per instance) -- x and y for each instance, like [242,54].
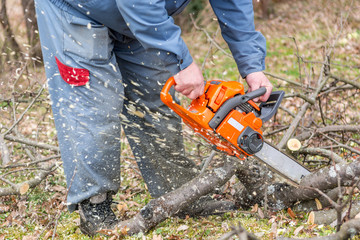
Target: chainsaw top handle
[232,103]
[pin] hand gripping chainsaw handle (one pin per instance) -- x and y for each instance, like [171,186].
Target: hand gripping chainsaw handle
[265,111]
[225,115]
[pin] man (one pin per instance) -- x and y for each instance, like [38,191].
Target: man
[106,62]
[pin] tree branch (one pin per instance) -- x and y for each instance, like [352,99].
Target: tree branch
[323,152]
[330,128]
[32,143]
[157,210]
[15,190]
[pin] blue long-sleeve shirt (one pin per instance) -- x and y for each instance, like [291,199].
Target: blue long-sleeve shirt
[150,22]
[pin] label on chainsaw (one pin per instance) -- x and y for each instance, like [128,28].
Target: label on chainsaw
[236,124]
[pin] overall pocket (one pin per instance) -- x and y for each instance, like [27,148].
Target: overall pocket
[86,38]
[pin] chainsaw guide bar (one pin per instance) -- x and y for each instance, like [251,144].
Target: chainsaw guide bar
[226,117]
[281,163]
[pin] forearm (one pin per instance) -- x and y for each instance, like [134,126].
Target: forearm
[248,47]
[154,28]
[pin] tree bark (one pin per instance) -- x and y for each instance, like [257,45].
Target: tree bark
[9,36]
[158,210]
[330,215]
[260,189]
[31,28]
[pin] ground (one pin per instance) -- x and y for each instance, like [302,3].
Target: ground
[296,29]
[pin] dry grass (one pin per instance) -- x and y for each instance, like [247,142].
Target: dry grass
[314,24]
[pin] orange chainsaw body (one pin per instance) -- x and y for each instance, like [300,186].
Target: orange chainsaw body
[203,109]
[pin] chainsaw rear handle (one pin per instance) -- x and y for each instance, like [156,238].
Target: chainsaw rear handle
[269,108]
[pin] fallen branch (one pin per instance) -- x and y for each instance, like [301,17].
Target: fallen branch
[320,202]
[15,188]
[354,83]
[294,124]
[302,96]
[286,80]
[330,215]
[32,143]
[331,128]
[157,210]
[342,145]
[32,163]
[258,180]
[323,152]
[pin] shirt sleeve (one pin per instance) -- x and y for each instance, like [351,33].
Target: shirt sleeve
[248,47]
[154,28]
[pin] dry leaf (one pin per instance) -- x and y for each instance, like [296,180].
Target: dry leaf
[272,219]
[318,204]
[132,203]
[291,213]
[298,230]
[22,206]
[156,237]
[24,188]
[261,213]
[311,219]
[106,232]
[357,216]
[124,231]
[182,228]
[311,227]
[254,209]
[122,208]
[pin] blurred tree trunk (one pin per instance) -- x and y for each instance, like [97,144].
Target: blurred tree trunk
[31,28]
[266,7]
[10,45]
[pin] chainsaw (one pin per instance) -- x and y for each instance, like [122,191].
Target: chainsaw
[226,117]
